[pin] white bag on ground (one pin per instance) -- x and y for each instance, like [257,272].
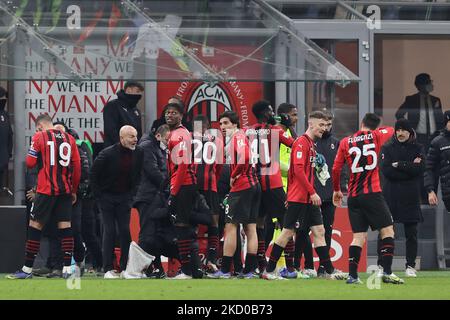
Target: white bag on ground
[138,262]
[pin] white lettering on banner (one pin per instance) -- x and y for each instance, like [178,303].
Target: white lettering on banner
[78,105]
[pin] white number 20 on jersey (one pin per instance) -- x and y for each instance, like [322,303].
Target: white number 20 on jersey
[367,151]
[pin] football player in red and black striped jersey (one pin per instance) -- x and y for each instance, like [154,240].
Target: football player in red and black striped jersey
[208,157]
[244,198]
[265,138]
[183,186]
[366,204]
[303,200]
[57,155]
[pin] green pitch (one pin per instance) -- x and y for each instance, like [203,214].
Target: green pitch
[429,285]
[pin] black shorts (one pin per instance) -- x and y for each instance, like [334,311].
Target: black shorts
[212,199]
[44,207]
[243,206]
[184,202]
[369,210]
[302,216]
[272,203]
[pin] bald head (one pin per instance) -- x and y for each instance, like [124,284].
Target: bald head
[128,137]
[60,127]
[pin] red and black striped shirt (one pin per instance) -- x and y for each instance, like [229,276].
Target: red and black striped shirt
[360,151]
[208,156]
[301,170]
[180,160]
[59,161]
[262,145]
[238,156]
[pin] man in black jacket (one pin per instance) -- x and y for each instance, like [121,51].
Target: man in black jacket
[115,177]
[423,110]
[154,184]
[6,136]
[123,111]
[402,164]
[438,160]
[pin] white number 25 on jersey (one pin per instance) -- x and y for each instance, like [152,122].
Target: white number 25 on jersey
[367,151]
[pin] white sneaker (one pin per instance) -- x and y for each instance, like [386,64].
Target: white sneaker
[271,276]
[180,276]
[112,274]
[380,272]
[337,275]
[310,273]
[411,272]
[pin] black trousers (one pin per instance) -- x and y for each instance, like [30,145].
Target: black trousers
[89,232]
[303,247]
[3,170]
[115,209]
[411,244]
[328,211]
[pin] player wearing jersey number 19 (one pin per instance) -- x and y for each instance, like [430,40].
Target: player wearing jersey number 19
[366,203]
[56,154]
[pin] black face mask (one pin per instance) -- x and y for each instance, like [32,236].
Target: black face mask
[133,98]
[326,134]
[2,104]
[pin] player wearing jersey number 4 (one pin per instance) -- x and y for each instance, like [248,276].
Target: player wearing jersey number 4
[366,203]
[265,138]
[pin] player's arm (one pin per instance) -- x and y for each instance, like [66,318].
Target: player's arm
[285,138]
[34,151]
[339,162]
[76,165]
[384,134]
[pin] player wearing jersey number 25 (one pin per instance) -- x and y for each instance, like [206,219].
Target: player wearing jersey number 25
[366,204]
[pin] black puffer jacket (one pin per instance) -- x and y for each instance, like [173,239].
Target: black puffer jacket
[438,163]
[154,170]
[401,187]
